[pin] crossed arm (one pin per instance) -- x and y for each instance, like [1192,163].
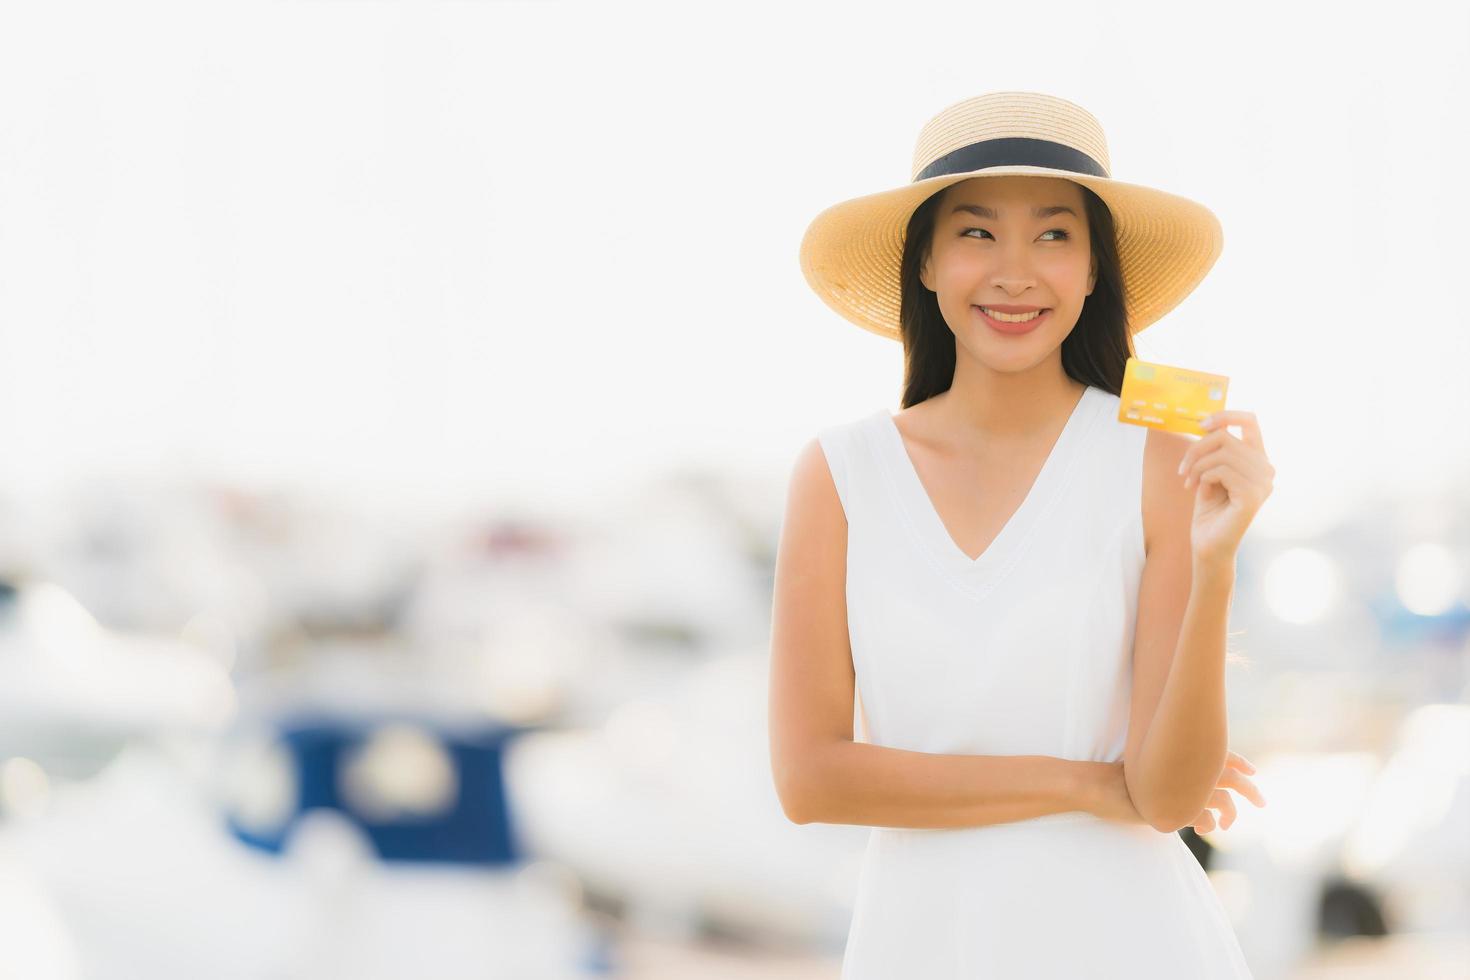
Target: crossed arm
[1175,763]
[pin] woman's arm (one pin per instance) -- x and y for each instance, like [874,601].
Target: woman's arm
[821,773]
[1177,731]
[878,786]
[1179,752]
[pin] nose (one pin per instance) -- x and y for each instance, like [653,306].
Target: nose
[1012,271]
[1014,285]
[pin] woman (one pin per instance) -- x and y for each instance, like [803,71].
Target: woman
[1027,597]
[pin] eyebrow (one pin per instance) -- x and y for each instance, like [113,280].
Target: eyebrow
[981,211]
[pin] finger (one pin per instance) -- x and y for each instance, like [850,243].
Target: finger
[1204,823]
[1238,761]
[1250,428]
[1234,760]
[1237,486]
[1241,484]
[1246,460]
[1221,800]
[1233,779]
[1207,443]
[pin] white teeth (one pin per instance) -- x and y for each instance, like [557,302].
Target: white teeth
[1012,317]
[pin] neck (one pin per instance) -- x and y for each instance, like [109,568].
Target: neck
[999,405]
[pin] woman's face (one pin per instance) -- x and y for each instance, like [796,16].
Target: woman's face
[1000,242]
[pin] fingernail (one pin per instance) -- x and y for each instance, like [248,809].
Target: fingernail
[1181,467]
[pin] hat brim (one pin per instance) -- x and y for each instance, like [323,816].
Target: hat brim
[851,251]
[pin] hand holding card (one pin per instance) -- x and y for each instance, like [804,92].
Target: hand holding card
[1232,475]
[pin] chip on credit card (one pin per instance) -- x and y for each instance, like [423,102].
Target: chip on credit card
[1163,396]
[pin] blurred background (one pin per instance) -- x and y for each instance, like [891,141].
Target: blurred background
[396,406]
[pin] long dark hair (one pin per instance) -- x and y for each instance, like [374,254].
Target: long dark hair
[1094,353]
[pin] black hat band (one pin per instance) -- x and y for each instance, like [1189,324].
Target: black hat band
[1012,151]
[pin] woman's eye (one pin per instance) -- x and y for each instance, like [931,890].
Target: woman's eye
[1059,231]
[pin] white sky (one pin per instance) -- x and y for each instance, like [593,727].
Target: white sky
[465,250]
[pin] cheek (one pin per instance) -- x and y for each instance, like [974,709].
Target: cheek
[1064,262]
[956,265]
[1079,264]
[1066,275]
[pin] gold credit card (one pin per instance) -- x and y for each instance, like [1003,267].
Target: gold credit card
[1162,396]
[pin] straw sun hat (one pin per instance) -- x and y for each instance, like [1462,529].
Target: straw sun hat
[851,252]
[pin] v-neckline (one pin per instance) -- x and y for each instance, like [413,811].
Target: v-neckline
[923,518]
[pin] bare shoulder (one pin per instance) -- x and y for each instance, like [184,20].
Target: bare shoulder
[1168,505]
[811,555]
[811,491]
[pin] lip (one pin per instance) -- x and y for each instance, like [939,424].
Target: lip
[1012,328]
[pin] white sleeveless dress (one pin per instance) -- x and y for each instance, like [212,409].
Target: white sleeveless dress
[1026,650]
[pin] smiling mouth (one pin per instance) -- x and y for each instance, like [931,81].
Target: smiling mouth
[1012,317]
[1014,324]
